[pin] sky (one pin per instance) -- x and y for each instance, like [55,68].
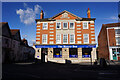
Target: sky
[22,15]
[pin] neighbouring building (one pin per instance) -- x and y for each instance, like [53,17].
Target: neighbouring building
[13,48]
[109,41]
[65,36]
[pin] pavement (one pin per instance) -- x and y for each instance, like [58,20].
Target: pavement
[53,71]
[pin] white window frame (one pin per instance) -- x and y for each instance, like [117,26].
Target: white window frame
[59,40]
[43,25]
[63,25]
[56,25]
[70,39]
[63,39]
[83,25]
[73,25]
[84,40]
[46,38]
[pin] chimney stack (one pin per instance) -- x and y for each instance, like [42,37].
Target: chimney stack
[41,14]
[88,13]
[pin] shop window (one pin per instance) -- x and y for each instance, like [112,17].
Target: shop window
[57,52]
[86,52]
[73,53]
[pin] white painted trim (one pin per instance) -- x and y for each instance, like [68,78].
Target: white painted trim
[38,22]
[51,25]
[37,38]
[113,27]
[92,35]
[37,35]
[37,32]
[51,38]
[92,31]
[79,42]
[51,28]
[37,42]
[38,29]
[92,28]
[51,32]
[78,31]
[51,42]
[38,26]
[51,35]
[78,25]
[79,38]
[78,28]
[79,35]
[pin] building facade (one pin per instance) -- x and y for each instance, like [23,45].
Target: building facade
[65,36]
[13,48]
[109,41]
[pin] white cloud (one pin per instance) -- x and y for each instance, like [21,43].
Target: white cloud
[33,40]
[24,36]
[28,15]
[112,18]
[25,5]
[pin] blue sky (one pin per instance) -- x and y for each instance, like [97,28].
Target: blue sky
[21,15]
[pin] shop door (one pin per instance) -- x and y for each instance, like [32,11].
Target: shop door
[114,52]
[44,52]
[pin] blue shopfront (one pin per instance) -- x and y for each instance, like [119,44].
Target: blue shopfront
[73,50]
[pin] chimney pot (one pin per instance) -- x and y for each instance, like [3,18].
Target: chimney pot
[88,13]
[41,14]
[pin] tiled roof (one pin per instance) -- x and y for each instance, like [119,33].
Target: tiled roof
[52,18]
[14,31]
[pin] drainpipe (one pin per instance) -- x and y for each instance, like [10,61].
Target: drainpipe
[108,42]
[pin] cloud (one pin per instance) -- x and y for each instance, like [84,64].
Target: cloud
[24,36]
[33,40]
[28,15]
[112,18]
[25,5]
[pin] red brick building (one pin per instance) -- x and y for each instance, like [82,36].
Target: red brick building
[109,41]
[66,36]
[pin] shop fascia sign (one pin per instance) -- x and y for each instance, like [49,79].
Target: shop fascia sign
[65,46]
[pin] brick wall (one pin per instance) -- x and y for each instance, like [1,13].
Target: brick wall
[103,44]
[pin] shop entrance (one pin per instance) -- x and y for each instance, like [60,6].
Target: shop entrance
[116,53]
[44,52]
